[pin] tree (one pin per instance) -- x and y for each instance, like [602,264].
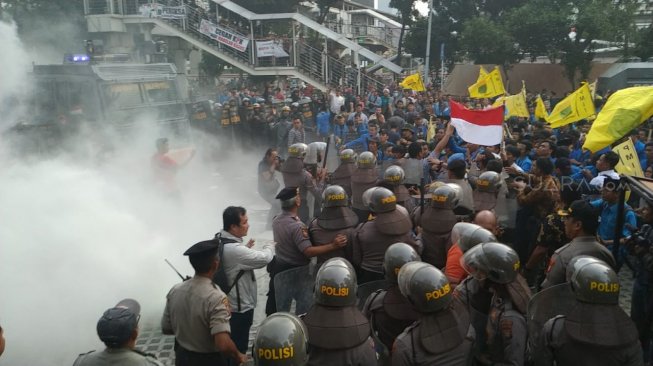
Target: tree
[407,12]
[324,6]
[487,42]
[269,6]
[210,65]
[441,32]
[644,46]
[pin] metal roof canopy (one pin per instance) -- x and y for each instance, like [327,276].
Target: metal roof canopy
[362,51]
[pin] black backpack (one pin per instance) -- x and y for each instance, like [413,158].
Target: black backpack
[220,277]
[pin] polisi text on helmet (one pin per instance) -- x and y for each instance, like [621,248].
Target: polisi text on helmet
[276,353]
[438,293]
[334,197]
[334,291]
[604,287]
[389,199]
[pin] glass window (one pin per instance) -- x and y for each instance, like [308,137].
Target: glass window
[160,91]
[118,96]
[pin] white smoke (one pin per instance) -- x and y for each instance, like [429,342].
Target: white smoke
[14,66]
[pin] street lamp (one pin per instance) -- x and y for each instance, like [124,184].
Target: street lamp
[428,44]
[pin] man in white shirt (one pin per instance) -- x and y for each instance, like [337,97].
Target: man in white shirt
[336,101]
[605,165]
[239,262]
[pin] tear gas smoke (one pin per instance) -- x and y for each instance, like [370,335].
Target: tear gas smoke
[77,237]
[14,65]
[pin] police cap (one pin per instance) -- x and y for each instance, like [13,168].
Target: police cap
[287,193]
[117,324]
[202,247]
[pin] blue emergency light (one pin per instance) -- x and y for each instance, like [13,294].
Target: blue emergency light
[77,58]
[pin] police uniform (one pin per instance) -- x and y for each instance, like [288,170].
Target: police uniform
[294,175]
[117,356]
[436,224]
[506,331]
[583,245]
[361,180]
[327,225]
[338,332]
[195,311]
[292,238]
[342,176]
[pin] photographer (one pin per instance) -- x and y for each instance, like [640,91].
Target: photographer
[268,184]
[641,310]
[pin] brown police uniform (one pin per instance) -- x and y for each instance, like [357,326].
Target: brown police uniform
[339,336]
[442,338]
[436,227]
[372,238]
[292,238]
[389,313]
[342,176]
[362,180]
[591,334]
[195,311]
[506,332]
[294,175]
[320,235]
[583,245]
[403,197]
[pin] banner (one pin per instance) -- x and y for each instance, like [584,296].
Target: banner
[575,107]
[628,160]
[162,11]
[540,109]
[413,82]
[487,86]
[624,110]
[270,49]
[224,36]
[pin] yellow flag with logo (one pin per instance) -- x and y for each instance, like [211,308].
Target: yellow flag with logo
[628,160]
[515,105]
[487,86]
[577,106]
[624,110]
[482,74]
[540,109]
[413,82]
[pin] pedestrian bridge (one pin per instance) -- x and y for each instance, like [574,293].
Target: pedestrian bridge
[296,56]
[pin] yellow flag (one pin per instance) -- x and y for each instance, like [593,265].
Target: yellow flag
[481,74]
[592,87]
[624,110]
[487,86]
[413,82]
[515,105]
[430,132]
[577,106]
[628,160]
[540,109]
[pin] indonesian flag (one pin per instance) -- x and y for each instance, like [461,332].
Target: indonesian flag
[481,127]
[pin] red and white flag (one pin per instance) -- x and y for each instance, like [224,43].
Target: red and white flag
[481,127]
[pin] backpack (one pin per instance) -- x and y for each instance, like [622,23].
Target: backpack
[220,276]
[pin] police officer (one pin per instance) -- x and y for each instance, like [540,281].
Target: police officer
[388,311]
[495,289]
[364,177]
[443,334]
[294,247]
[246,113]
[436,223]
[294,175]
[338,332]
[335,218]
[197,313]
[342,175]
[393,177]
[281,340]
[581,222]
[118,330]
[257,122]
[282,127]
[390,224]
[487,191]
[595,331]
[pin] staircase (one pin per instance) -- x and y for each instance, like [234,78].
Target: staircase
[305,62]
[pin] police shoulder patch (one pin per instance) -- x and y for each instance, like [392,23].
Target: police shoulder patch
[304,231]
[505,325]
[225,302]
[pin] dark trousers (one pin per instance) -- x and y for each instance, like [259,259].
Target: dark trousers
[273,268]
[240,324]
[185,357]
[365,276]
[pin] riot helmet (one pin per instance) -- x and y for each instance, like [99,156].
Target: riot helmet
[425,287]
[297,150]
[347,156]
[335,283]
[282,339]
[595,282]
[367,195]
[445,197]
[382,200]
[468,235]
[335,196]
[285,109]
[579,261]
[493,261]
[488,182]
[366,160]
[394,175]
[396,256]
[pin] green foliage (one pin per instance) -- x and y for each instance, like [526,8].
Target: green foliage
[407,13]
[440,33]
[269,6]
[487,42]
[644,43]
[324,6]
[210,65]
